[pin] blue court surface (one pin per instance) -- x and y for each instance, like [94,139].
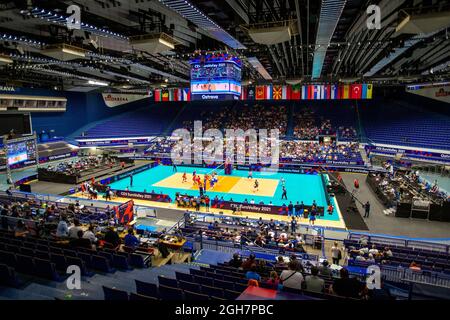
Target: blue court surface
[300,187]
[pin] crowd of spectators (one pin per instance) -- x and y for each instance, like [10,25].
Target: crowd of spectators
[403,186]
[76,167]
[294,275]
[319,152]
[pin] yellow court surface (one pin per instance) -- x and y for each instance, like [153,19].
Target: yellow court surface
[231,184]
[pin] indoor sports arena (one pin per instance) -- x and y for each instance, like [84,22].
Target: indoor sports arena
[225,150]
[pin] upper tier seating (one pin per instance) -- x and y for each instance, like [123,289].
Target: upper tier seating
[142,122]
[394,123]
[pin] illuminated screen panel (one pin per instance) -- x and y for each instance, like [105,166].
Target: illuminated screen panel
[215,80]
[21,152]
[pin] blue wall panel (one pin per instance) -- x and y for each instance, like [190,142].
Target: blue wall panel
[82,109]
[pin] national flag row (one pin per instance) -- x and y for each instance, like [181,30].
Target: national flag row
[307,92]
[172,94]
[281,92]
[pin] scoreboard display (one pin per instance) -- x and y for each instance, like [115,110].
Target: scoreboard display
[216,77]
[21,152]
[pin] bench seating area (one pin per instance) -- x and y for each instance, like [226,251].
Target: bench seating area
[428,260]
[50,259]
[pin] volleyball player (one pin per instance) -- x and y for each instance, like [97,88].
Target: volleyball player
[256,186]
[250,174]
[184,178]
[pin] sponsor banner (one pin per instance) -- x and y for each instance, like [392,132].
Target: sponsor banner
[113,100]
[257,208]
[143,196]
[113,142]
[414,154]
[438,91]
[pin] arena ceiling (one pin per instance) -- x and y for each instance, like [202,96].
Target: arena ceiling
[329,41]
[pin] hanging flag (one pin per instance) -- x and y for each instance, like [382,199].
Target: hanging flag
[260,92]
[277,92]
[355,91]
[186,94]
[310,92]
[251,93]
[367,91]
[304,92]
[316,93]
[286,93]
[296,92]
[243,95]
[158,96]
[346,92]
[165,95]
[334,92]
[269,92]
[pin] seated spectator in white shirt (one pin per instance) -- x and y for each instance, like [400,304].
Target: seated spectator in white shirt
[374,250]
[292,278]
[73,230]
[313,283]
[89,234]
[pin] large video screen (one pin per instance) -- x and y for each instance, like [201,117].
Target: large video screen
[217,78]
[19,122]
[21,152]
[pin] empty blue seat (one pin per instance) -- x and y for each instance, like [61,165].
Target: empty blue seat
[114,294]
[190,286]
[24,264]
[45,269]
[194,296]
[75,261]
[121,262]
[184,276]
[140,297]
[203,280]
[86,257]
[8,276]
[231,295]
[42,255]
[170,293]
[212,291]
[240,287]
[8,258]
[101,264]
[59,260]
[224,284]
[140,261]
[167,281]
[146,289]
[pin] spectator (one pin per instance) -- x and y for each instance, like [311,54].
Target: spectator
[291,278]
[324,269]
[130,240]
[62,230]
[273,281]
[252,274]
[313,283]
[112,238]
[336,253]
[20,230]
[347,287]
[80,242]
[89,234]
[248,263]
[236,261]
[280,263]
[73,230]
